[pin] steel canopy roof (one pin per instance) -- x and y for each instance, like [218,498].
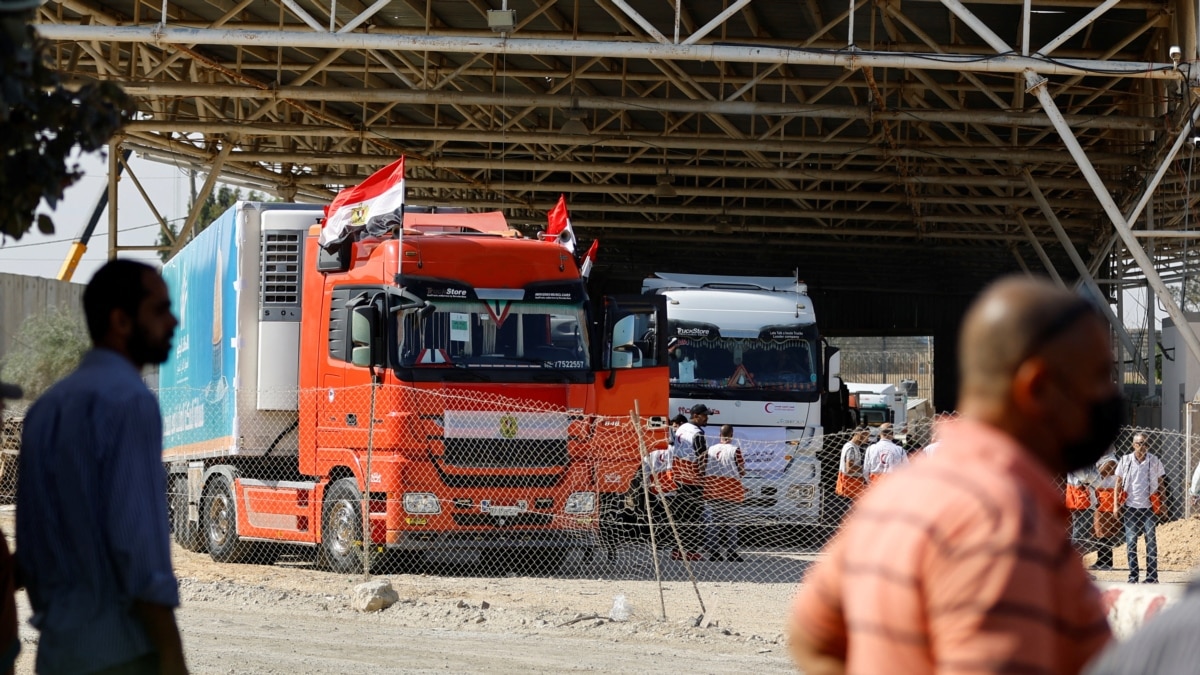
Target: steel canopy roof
[900,150]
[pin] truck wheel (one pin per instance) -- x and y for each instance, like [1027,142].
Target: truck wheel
[186,533]
[219,516]
[341,527]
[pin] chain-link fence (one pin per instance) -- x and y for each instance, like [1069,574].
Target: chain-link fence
[454,481]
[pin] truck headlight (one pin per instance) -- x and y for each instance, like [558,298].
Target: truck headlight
[580,502]
[421,502]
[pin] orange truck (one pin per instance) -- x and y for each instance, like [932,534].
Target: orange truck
[446,388]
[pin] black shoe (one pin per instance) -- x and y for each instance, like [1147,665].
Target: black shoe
[1131,580]
[1150,581]
[734,557]
[716,555]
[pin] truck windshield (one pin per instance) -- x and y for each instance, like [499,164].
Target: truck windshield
[744,368]
[506,334]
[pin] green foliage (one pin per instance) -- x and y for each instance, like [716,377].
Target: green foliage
[1188,294]
[46,348]
[212,208]
[41,124]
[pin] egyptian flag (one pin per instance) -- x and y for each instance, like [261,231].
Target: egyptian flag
[589,259]
[559,228]
[376,204]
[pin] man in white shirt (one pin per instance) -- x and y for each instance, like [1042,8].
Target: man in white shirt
[884,456]
[1140,475]
[723,496]
[689,462]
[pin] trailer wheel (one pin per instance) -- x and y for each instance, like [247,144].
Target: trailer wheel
[187,534]
[219,518]
[341,527]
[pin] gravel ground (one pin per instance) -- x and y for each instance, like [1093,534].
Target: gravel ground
[294,619]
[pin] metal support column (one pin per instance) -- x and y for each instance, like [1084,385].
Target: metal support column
[1121,381]
[114,176]
[1080,268]
[185,233]
[1150,337]
[1041,252]
[1037,85]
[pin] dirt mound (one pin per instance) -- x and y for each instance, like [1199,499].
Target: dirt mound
[1178,546]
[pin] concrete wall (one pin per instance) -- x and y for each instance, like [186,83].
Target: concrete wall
[22,296]
[1180,373]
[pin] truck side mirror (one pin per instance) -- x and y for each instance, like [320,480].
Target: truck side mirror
[834,368]
[364,324]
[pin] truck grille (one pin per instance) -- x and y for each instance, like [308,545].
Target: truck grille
[488,520]
[504,453]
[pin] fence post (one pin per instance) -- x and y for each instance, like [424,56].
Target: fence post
[636,418]
[365,508]
[1189,411]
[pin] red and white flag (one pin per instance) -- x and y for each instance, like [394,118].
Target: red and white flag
[381,196]
[589,259]
[559,228]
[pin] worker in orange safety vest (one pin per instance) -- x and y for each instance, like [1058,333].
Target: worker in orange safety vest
[850,482]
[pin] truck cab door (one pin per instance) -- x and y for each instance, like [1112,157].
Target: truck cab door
[631,358]
[344,406]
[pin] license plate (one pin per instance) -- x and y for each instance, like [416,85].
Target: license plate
[501,511]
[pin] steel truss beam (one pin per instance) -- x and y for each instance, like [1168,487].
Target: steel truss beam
[845,147]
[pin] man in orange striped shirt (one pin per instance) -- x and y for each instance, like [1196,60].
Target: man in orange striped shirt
[962,563]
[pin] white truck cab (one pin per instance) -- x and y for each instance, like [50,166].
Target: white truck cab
[748,348]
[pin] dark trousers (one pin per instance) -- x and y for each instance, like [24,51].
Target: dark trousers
[1083,535]
[1140,522]
[687,508]
[147,664]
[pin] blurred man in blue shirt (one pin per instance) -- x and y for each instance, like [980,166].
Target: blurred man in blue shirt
[93,540]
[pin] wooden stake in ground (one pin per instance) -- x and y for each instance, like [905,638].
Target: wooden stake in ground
[670,521]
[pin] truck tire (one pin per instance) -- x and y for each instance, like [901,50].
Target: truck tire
[219,519]
[341,527]
[186,533]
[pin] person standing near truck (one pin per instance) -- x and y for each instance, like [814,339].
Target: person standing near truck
[723,496]
[94,548]
[1140,477]
[884,456]
[689,463]
[850,481]
[1106,524]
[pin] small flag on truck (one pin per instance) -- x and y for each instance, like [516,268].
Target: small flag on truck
[559,226]
[376,204]
[589,260]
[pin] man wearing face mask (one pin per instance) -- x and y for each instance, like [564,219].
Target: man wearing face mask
[978,574]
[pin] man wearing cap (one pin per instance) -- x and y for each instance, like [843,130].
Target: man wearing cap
[884,456]
[690,463]
[850,483]
[10,646]
[1106,523]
